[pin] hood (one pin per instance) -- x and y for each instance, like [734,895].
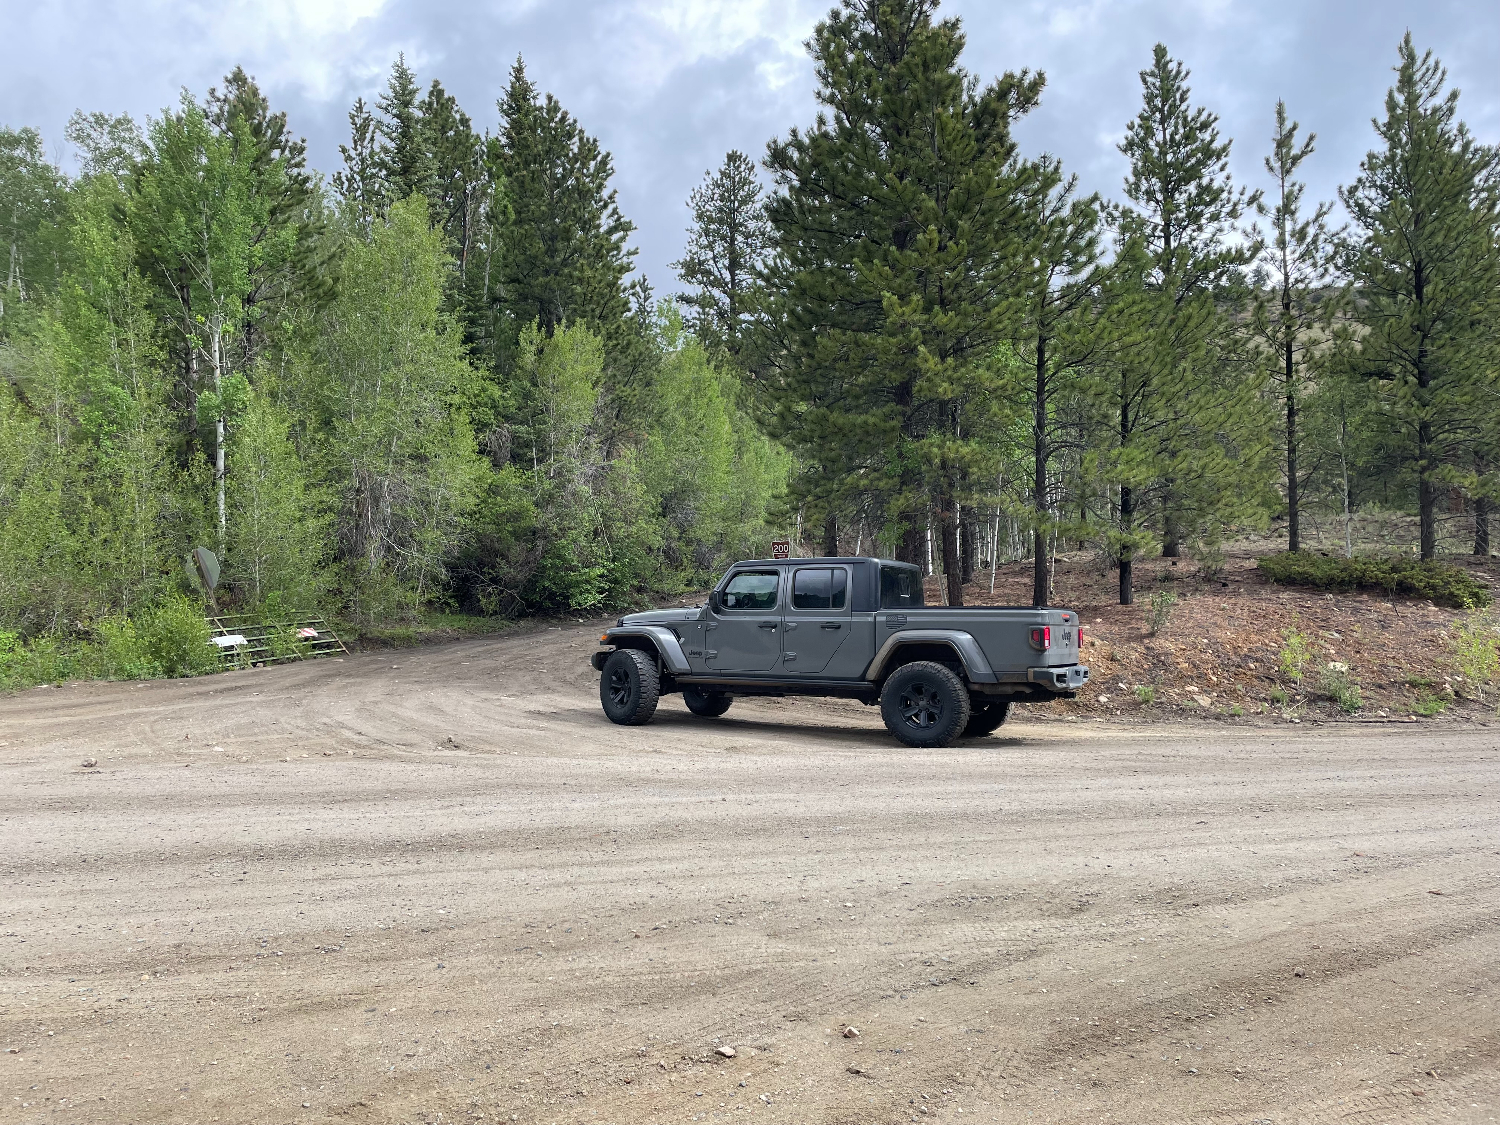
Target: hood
[661,616]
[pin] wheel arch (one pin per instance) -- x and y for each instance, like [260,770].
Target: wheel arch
[952,647]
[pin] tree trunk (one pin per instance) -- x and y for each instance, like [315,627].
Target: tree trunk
[948,531]
[830,536]
[1426,491]
[1041,586]
[217,343]
[1482,526]
[970,547]
[1293,509]
[1127,553]
[1171,531]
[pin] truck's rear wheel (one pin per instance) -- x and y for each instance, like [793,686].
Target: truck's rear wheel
[709,704]
[629,687]
[924,704]
[986,718]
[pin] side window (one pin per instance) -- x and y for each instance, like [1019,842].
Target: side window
[819,589]
[751,589]
[900,587]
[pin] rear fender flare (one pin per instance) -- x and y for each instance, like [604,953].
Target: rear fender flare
[975,664]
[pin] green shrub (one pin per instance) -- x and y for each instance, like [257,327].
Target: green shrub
[175,637]
[1160,610]
[1474,642]
[122,651]
[1430,705]
[1442,583]
[1335,683]
[1145,694]
[1296,651]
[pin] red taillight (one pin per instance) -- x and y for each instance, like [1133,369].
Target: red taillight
[1041,637]
[1080,638]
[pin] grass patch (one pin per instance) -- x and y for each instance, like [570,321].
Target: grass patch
[1442,583]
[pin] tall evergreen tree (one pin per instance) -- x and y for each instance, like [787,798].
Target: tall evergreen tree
[457,179]
[1178,384]
[563,254]
[405,162]
[727,245]
[1061,337]
[1294,316]
[358,182]
[895,219]
[1426,212]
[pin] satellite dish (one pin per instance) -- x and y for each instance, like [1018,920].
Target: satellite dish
[203,566]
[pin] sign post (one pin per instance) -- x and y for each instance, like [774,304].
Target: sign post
[781,548]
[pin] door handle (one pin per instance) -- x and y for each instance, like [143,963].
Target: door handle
[831,625]
[768,624]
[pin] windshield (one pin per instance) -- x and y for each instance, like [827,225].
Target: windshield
[900,587]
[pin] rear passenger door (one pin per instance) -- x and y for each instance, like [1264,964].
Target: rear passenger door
[817,617]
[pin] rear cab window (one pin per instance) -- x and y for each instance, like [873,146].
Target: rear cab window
[752,590]
[900,587]
[820,588]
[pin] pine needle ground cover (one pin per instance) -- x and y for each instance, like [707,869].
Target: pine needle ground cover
[1220,655]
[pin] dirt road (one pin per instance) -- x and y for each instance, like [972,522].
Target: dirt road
[439,887]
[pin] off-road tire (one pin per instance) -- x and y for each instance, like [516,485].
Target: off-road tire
[925,704]
[629,687]
[986,718]
[709,704]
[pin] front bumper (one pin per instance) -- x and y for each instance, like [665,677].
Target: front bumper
[1068,677]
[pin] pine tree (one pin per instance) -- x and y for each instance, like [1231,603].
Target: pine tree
[1294,318]
[562,256]
[727,245]
[1179,383]
[404,160]
[456,185]
[895,219]
[1426,213]
[1061,337]
[359,182]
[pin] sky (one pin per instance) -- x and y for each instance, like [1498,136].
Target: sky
[669,86]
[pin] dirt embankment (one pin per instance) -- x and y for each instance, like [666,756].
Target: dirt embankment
[1218,653]
[438,887]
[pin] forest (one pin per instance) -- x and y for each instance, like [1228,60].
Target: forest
[432,382]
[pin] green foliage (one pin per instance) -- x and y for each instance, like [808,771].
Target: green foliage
[1163,602]
[1475,644]
[1425,210]
[1430,705]
[1145,694]
[1335,682]
[1442,583]
[1295,655]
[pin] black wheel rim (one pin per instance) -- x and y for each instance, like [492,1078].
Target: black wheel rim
[921,706]
[619,687]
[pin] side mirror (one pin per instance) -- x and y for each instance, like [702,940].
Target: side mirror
[713,600]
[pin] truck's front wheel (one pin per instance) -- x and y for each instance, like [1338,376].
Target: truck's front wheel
[629,687]
[924,704]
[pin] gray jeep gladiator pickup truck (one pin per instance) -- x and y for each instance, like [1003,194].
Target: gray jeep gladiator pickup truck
[853,627]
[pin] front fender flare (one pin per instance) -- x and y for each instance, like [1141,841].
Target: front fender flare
[662,639]
[976,664]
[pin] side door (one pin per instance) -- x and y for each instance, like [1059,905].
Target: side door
[743,632]
[817,617]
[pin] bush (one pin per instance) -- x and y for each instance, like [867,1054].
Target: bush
[1442,583]
[1475,643]
[175,638]
[1160,611]
[1296,651]
[1336,683]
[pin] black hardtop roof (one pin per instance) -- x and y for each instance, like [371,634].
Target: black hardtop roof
[800,561]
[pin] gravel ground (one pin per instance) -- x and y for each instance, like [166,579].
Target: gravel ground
[440,887]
